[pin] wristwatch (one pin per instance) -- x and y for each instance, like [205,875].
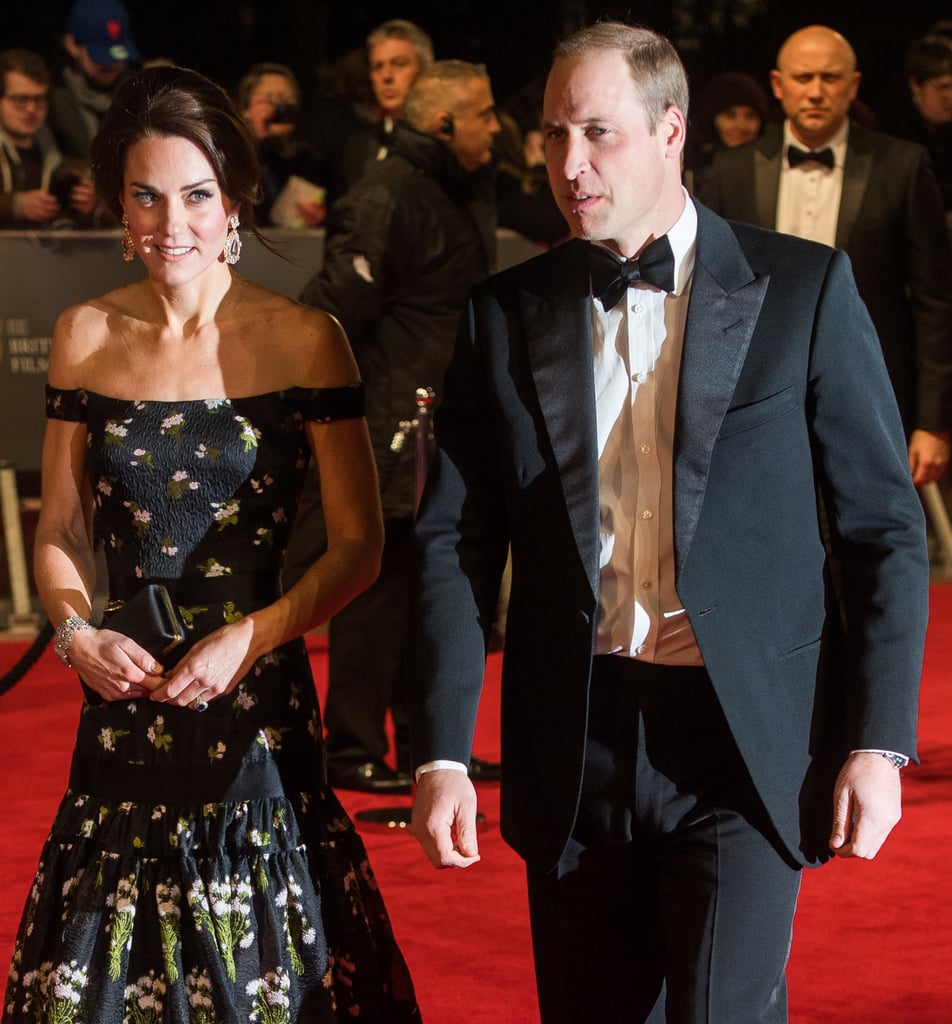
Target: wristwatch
[63,637]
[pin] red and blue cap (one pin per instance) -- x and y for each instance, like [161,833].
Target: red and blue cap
[102,26]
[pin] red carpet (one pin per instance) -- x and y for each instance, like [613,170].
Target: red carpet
[873,941]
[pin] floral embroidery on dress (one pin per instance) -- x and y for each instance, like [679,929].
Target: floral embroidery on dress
[172,425]
[180,484]
[163,881]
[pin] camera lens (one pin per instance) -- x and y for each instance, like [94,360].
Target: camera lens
[284,113]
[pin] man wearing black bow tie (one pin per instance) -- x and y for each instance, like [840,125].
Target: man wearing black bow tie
[822,176]
[648,415]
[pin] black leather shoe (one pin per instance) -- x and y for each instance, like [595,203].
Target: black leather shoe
[484,771]
[368,777]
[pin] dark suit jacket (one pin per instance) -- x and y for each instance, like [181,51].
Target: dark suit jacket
[782,390]
[892,225]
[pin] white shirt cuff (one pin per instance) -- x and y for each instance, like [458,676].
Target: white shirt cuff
[899,760]
[438,766]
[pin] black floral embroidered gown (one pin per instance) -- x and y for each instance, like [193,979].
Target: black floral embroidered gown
[199,871]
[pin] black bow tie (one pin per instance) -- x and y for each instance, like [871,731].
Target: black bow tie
[610,278]
[796,156]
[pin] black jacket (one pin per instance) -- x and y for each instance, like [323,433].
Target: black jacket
[891,224]
[782,390]
[403,247]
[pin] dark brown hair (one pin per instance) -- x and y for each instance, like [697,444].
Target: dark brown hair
[179,103]
[23,62]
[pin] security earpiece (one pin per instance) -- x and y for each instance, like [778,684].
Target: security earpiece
[447,127]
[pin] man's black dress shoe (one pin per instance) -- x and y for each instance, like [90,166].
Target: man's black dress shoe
[368,777]
[484,771]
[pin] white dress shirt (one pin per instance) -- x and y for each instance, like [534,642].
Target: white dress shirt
[808,200]
[637,355]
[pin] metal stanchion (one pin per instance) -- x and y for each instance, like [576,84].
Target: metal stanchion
[22,619]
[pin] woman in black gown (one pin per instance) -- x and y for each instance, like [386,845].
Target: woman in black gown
[199,869]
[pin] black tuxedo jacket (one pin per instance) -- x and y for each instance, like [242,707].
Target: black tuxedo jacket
[783,393]
[892,225]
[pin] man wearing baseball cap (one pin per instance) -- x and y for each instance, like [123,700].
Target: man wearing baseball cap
[101,48]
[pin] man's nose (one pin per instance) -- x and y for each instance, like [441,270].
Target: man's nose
[575,159]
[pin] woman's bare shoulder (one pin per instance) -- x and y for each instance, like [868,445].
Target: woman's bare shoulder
[93,314]
[309,343]
[85,328]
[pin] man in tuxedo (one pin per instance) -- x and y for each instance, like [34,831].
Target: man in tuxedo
[821,176]
[686,718]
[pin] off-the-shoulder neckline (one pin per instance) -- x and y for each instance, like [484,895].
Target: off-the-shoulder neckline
[201,401]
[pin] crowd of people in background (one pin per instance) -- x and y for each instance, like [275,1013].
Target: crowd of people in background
[49,115]
[320,161]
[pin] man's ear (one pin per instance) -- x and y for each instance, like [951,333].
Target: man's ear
[674,129]
[445,125]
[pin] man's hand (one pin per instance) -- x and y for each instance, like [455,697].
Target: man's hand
[444,818]
[39,206]
[928,455]
[82,197]
[867,804]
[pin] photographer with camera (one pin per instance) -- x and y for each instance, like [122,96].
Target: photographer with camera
[37,185]
[269,100]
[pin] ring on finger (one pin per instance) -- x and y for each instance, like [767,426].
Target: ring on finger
[199,705]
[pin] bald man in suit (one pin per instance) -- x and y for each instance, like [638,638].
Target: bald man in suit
[877,199]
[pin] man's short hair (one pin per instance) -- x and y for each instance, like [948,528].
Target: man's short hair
[398,28]
[437,88]
[23,62]
[929,57]
[656,69]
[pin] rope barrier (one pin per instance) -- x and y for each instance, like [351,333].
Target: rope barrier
[28,659]
[22,616]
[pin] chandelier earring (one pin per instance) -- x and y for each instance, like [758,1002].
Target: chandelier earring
[232,250]
[128,246]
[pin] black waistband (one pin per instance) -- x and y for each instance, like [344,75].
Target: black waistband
[148,784]
[635,672]
[255,587]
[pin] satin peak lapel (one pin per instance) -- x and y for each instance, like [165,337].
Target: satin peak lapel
[725,303]
[856,174]
[558,339]
[767,184]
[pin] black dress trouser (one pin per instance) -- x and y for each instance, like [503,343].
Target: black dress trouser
[674,900]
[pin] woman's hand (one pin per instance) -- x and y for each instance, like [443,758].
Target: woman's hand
[113,665]
[212,668]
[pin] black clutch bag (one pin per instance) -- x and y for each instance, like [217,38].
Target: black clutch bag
[151,619]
